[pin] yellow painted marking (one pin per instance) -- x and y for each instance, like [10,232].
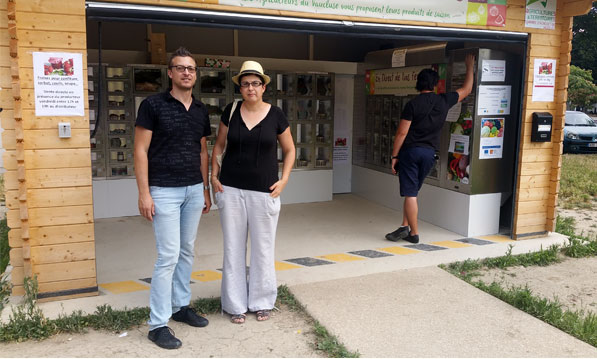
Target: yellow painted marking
[285,266]
[497,238]
[206,275]
[341,257]
[451,244]
[124,287]
[399,250]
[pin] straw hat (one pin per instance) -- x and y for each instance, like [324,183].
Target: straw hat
[251,68]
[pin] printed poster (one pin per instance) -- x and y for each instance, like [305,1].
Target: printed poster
[459,144]
[454,112]
[540,14]
[341,150]
[494,100]
[493,71]
[399,58]
[472,12]
[544,80]
[492,138]
[58,82]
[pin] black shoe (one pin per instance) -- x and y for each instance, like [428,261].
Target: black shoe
[398,234]
[164,337]
[188,315]
[412,238]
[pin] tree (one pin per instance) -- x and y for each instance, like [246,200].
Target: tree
[582,92]
[584,41]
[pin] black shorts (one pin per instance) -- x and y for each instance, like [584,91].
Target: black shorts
[414,164]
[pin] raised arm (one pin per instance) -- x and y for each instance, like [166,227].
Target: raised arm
[467,86]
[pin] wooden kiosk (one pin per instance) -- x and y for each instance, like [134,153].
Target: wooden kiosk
[48,179]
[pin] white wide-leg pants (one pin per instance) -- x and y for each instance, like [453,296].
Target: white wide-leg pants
[246,214]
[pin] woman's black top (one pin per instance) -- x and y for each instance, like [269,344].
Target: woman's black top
[251,160]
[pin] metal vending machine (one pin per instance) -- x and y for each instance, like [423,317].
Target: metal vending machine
[477,156]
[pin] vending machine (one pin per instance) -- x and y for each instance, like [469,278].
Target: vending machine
[479,137]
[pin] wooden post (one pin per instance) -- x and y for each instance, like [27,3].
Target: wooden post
[48,180]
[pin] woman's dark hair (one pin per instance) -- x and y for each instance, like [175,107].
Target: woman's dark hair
[181,52]
[240,78]
[427,79]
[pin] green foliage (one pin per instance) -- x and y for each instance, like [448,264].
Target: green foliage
[5,290]
[565,225]
[578,183]
[207,305]
[582,92]
[26,320]
[579,247]
[470,268]
[584,47]
[286,297]
[325,341]
[329,344]
[576,323]
[4,248]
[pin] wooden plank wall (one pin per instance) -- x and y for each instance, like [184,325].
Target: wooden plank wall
[48,179]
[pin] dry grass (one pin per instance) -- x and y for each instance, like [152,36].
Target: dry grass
[578,185]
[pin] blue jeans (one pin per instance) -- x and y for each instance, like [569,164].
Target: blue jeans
[177,214]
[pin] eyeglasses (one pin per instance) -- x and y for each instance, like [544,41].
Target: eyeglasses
[180,68]
[254,84]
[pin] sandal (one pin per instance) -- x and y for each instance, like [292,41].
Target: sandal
[263,315]
[238,318]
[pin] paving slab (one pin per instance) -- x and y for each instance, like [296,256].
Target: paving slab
[427,312]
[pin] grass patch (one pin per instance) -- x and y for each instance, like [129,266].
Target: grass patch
[578,183]
[4,248]
[28,322]
[470,268]
[576,323]
[325,341]
[565,225]
[580,248]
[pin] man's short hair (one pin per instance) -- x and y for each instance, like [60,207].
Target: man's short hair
[427,79]
[181,52]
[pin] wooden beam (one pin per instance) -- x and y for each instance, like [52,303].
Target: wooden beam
[576,8]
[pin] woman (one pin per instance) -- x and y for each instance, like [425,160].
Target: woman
[247,191]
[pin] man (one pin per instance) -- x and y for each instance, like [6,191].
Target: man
[171,163]
[417,140]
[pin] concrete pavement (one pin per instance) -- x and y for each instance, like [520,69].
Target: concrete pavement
[427,312]
[380,298]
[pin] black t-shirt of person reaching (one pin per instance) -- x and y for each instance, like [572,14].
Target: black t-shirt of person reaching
[175,150]
[424,130]
[251,160]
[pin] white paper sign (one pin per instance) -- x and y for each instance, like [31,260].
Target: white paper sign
[341,149]
[454,112]
[540,14]
[399,58]
[491,144]
[459,144]
[493,70]
[544,80]
[58,82]
[494,100]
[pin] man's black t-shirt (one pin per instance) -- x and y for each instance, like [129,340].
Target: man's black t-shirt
[174,153]
[424,130]
[251,160]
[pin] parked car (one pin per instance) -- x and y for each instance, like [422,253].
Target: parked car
[580,133]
